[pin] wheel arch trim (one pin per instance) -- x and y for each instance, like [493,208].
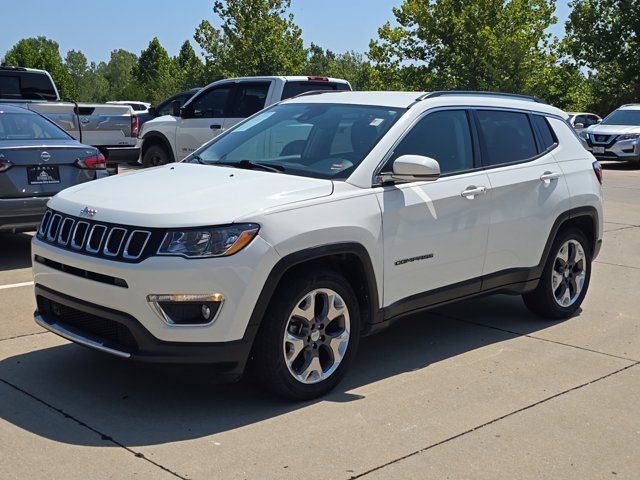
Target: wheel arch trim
[159,136]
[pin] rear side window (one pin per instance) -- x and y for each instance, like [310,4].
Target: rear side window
[545,133]
[250,99]
[444,136]
[292,89]
[507,137]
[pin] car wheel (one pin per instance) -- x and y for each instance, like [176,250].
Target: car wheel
[154,156]
[309,336]
[565,278]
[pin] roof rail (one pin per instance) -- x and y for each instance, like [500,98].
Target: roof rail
[630,105]
[4,66]
[318,92]
[443,93]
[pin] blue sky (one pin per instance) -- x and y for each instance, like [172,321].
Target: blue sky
[97,27]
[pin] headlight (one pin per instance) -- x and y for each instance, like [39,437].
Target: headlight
[584,135]
[208,242]
[630,136]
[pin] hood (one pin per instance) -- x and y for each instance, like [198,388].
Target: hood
[612,129]
[187,195]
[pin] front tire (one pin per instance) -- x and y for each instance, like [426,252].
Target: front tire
[155,156]
[308,337]
[565,278]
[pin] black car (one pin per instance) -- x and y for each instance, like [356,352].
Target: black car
[37,160]
[166,107]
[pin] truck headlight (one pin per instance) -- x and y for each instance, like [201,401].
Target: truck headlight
[628,136]
[208,241]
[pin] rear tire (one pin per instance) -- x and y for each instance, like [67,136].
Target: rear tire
[155,156]
[307,342]
[565,278]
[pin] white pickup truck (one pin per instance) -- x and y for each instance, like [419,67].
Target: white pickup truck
[218,107]
[113,129]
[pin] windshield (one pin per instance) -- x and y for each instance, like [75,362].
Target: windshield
[623,117]
[29,126]
[315,140]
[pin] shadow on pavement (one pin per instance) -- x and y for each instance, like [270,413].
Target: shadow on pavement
[619,165]
[15,251]
[143,404]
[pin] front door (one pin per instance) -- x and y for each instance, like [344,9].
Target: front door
[435,233]
[203,119]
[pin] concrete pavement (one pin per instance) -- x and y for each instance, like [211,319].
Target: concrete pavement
[480,389]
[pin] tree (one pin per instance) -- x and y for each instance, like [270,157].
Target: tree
[474,45]
[257,37]
[119,73]
[351,66]
[190,67]
[43,53]
[604,36]
[155,74]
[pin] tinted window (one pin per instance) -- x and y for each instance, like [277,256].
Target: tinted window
[25,126]
[212,103]
[623,117]
[507,137]
[313,140]
[544,130]
[292,89]
[26,85]
[250,99]
[579,119]
[444,136]
[591,120]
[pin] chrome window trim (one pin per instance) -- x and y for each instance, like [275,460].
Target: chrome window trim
[105,250]
[125,253]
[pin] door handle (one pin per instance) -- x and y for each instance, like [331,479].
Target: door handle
[215,126]
[473,191]
[546,177]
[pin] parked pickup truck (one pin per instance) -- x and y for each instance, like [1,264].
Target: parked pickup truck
[113,129]
[218,107]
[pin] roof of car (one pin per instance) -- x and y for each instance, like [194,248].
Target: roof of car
[630,106]
[582,113]
[436,99]
[14,109]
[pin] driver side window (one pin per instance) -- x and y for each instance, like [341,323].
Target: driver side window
[444,136]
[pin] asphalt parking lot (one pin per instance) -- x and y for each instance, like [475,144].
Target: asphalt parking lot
[480,389]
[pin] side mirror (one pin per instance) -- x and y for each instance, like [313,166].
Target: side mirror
[578,125]
[176,108]
[413,168]
[599,120]
[153,111]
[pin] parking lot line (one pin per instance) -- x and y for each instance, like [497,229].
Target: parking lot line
[15,285]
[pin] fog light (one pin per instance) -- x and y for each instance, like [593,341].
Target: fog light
[187,309]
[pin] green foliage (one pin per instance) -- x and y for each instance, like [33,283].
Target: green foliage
[189,67]
[43,53]
[257,37]
[155,74]
[350,66]
[475,45]
[603,36]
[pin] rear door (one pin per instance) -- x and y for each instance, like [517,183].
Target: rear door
[528,191]
[249,98]
[203,118]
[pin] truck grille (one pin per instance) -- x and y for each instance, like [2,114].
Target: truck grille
[122,243]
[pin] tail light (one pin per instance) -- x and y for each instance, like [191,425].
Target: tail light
[4,166]
[135,124]
[318,79]
[597,169]
[95,162]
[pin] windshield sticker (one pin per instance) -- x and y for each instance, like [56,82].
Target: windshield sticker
[376,122]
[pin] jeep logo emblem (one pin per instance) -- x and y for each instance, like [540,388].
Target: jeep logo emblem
[88,212]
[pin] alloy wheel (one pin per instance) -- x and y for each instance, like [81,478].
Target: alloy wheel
[316,336]
[569,273]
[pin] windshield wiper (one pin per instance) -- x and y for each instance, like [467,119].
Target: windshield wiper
[250,165]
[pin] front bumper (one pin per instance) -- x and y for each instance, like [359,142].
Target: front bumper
[625,150]
[22,214]
[120,334]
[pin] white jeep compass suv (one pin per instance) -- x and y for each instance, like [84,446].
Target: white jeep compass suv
[321,219]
